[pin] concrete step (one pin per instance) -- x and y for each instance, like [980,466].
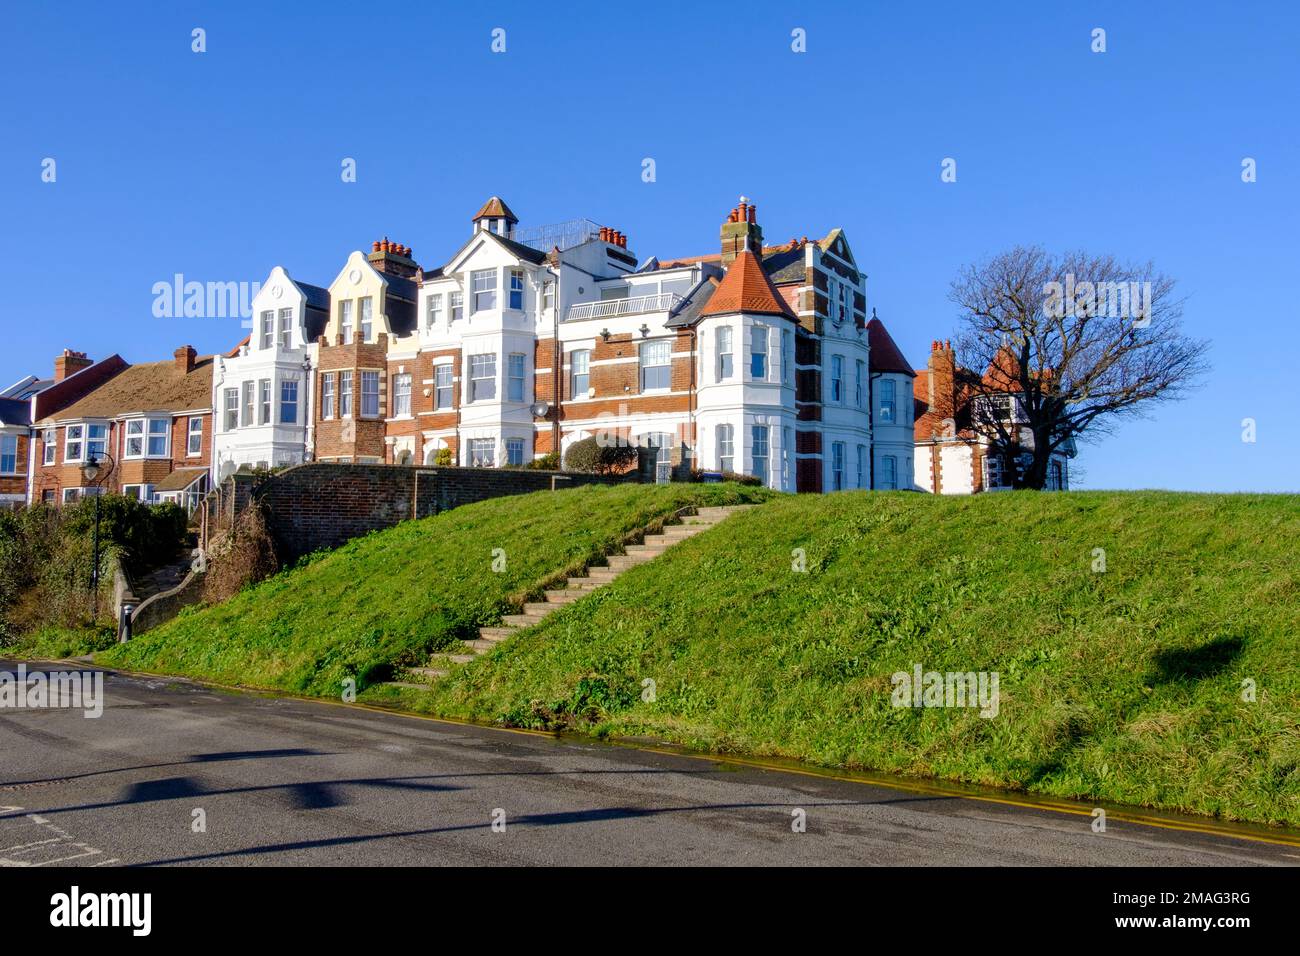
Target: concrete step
[619,561]
[590,583]
[495,633]
[562,596]
[654,545]
[538,609]
[481,647]
[522,620]
[437,659]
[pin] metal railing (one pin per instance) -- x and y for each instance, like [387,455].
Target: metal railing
[608,308]
[565,235]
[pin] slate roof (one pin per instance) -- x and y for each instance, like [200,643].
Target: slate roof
[688,313]
[886,356]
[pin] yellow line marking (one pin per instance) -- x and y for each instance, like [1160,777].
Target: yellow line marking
[1123,816]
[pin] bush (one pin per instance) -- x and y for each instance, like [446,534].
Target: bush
[589,457]
[548,462]
[146,535]
[443,458]
[698,476]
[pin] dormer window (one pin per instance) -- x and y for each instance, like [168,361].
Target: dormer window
[345,320]
[268,328]
[286,328]
[367,319]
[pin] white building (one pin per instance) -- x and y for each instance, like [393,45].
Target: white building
[262,392]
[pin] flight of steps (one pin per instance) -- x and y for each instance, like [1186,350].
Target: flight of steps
[575,588]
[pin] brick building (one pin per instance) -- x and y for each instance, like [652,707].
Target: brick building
[150,424]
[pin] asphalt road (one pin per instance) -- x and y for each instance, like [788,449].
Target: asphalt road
[283,781]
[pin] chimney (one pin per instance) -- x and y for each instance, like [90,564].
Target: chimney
[942,380]
[392,258]
[185,356]
[70,363]
[740,228]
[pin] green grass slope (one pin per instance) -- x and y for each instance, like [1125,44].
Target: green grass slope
[1126,685]
[393,596]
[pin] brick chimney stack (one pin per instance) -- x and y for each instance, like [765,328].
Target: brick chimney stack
[185,356]
[741,227]
[942,380]
[70,363]
[392,258]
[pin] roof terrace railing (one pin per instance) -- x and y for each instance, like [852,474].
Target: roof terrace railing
[610,308]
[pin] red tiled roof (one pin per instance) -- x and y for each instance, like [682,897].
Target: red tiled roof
[495,208]
[885,354]
[746,288]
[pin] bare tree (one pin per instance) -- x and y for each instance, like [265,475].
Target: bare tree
[1060,348]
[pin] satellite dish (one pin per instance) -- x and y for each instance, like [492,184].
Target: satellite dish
[540,409]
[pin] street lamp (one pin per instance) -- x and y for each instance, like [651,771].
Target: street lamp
[94,473]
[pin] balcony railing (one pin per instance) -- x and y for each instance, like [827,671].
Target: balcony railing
[664,302]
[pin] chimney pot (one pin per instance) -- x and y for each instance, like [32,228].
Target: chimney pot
[375,246]
[385,246]
[753,213]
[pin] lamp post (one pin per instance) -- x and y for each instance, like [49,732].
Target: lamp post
[94,473]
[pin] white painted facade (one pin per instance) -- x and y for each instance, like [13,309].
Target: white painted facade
[273,369]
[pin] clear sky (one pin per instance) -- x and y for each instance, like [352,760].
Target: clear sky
[223,164]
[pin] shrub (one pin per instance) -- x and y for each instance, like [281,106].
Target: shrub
[697,475]
[589,457]
[548,462]
[443,458]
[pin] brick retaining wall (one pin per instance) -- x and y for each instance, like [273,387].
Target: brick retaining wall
[322,505]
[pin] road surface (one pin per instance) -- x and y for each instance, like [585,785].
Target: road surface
[176,773]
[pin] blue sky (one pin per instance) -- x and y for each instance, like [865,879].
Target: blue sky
[222,164]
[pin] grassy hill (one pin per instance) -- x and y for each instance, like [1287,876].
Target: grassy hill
[394,596]
[1125,684]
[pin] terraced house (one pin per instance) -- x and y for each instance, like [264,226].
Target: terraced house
[754,359]
[148,425]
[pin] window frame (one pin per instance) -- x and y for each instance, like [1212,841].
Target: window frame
[515,382]
[263,401]
[888,405]
[488,461]
[402,395]
[4,440]
[326,396]
[192,433]
[726,441]
[755,432]
[230,407]
[726,365]
[346,385]
[50,446]
[151,434]
[575,373]
[284,329]
[485,373]
[511,445]
[839,456]
[489,280]
[440,387]
[346,323]
[268,328]
[288,400]
[837,380]
[455,306]
[759,335]
[664,345]
[370,404]
[366,317]
[516,292]
[433,309]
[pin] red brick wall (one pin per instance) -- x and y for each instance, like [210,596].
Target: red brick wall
[355,437]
